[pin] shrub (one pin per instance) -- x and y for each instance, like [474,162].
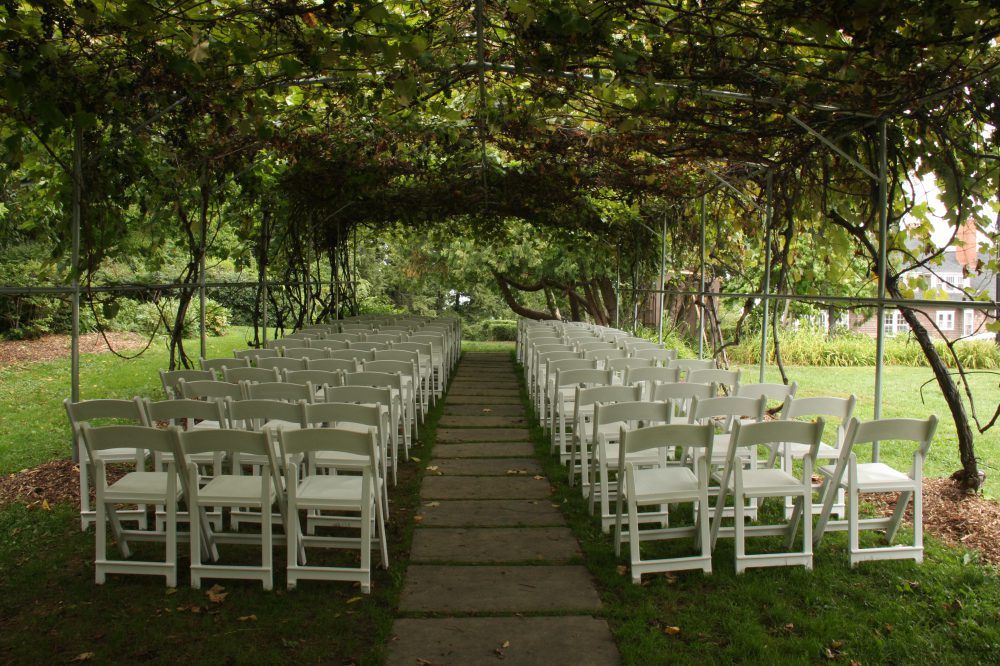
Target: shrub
[127,314]
[809,346]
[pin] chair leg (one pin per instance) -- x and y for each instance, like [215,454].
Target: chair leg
[171,557]
[740,528]
[897,515]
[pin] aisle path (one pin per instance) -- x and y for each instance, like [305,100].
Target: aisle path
[495,571]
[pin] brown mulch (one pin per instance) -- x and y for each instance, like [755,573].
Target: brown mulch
[969,521]
[51,347]
[54,482]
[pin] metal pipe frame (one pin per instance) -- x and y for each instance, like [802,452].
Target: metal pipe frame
[768,213]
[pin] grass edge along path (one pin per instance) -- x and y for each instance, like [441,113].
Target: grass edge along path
[944,611]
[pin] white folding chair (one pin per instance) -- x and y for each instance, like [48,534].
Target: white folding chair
[562,395]
[744,484]
[218,365]
[101,412]
[877,477]
[138,487]
[340,493]
[170,379]
[728,379]
[234,490]
[664,485]
[648,377]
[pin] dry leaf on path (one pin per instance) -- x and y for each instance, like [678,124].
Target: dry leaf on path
[83,656]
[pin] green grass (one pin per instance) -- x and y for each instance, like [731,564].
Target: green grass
[904,397]
[32,419]
[944,611]
[52,612]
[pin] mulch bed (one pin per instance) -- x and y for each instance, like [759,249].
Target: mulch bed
[51,347]
[969,521]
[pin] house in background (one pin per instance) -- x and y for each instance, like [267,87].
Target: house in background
[953,282]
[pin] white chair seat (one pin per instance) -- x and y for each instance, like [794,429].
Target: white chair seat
[663,484]
[769,481]
[330,492]
[644,458]
[140,487]
[875,475]
[238,490]
[274,425]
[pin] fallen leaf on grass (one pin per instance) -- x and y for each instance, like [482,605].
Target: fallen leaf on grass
[171,590]
[247,618]
[414,459]
[83,656]
[671,631]
[45,505]
[621,569]
[216,594]
[354,600]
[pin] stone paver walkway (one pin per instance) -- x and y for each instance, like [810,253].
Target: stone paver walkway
[495,572]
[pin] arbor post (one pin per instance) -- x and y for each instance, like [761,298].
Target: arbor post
[701,286]
[768,211]
[663,265]
[883,236]
[75,271]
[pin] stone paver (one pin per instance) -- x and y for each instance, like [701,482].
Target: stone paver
[477,388]
[484,487]
[480,641]
[482,421]
[497,589]
[494,545]
[484,410]
[484,450]
[484,467]
[484,400]
[486,374]
[490,513]
[465,435]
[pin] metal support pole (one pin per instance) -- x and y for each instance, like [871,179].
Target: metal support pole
[768,212]
[263,312]
[202,297]
[883,239]
[701,287]
[75,271]
[618,286]
[663,267]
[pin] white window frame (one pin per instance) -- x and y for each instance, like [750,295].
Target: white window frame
[968,321]
[945,320]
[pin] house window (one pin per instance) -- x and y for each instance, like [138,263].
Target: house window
[968,321]
[945,320]
[894,323]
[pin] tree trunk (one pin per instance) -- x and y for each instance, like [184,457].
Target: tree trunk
[508,296]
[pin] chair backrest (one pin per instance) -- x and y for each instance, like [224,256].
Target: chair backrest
[183,412]
[681,395]
[551,368]
[365,378]
[235,443]
[317,378]
[254,414]
[397,355]
[333,364]
[334,414]
[358,355]
[727,378]
[602,356]
[424,349]
[104,438]
[350,443]
[252,354]
[635,344]
[370,345]
[330,345]
[730,409]
[841,409]
[342,337]
[620,365]
[305,352]
[779,392]
[280,391]
[635,375]
[689,364]
[584,345]
[605,394]
[113,411]
[920,431]
[236,375]
[210,390]
[171,378]
[631,413]
[658,356]
[384,337]
[361,394]
[277,363]
[583,377]
[405,368]
[685,435]
[775,432]
[220,364]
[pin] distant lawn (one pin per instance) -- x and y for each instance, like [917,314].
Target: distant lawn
[33,423]
[902,398]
